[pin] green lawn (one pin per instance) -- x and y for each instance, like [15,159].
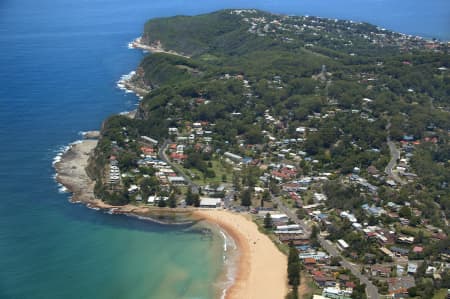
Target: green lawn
[441,294]
[219,170]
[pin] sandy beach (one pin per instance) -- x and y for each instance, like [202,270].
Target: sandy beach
[262,268]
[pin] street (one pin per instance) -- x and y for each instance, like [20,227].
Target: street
[162,155]
[371,289]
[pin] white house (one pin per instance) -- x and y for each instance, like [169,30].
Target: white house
[342,245]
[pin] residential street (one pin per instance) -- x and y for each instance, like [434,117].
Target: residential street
[395,155]
[162,155]
[371,289]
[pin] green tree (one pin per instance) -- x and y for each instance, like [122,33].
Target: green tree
[162,203]
[268,221]
[301,214]
[273,187]
[293,267]
[314,234]
[149,186]
[196,200]
[172,201]
[189,197]
[405,212]
[359,292]
[266,195]
[246,197]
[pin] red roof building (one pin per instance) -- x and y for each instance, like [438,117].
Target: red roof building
[147,150]
[177,156]
[417,249]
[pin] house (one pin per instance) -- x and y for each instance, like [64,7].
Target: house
[412,268]
[173,131]
[408,138]
[176,180]
[292,187]
[342,245]
[337,293]
[323,280]
[309,261]
[400,270]
[387,251]
[233,157]
[399,250]
[152,199]
[315,255]
[320,197]
[379,270]
[177,157]
[133,188]
[209,202]
[278,217]
[349,216]
[344,278]
[290,227]
[147,150]
[400,285]
[150,140]
[405,239]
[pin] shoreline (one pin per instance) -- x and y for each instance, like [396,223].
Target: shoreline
[133,82]
[155,48]
[260,267]
[70,171]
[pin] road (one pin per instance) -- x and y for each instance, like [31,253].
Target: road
[395,155]
[162,155]
[371,289]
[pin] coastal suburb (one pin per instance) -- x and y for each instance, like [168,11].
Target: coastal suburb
[320,146]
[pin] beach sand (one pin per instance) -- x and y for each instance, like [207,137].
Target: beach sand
[262,268]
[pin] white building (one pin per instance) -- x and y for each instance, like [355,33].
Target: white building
[176,180]
[315,255]
[150,140]
[342,245]
[209,202]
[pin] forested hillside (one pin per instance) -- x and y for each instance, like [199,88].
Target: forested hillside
[338,88]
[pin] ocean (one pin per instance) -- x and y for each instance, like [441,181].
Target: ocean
[60,61]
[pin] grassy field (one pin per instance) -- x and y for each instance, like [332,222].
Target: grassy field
[441,294]
[219,169]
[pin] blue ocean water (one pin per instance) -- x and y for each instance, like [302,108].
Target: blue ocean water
[58,66]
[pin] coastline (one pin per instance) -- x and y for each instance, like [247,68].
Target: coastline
[70,170]
[261,267]
[258,268]
[133,82]
[154,48]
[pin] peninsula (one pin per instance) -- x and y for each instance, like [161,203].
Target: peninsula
[326,140]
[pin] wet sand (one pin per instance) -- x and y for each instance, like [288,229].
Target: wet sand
[262,268]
